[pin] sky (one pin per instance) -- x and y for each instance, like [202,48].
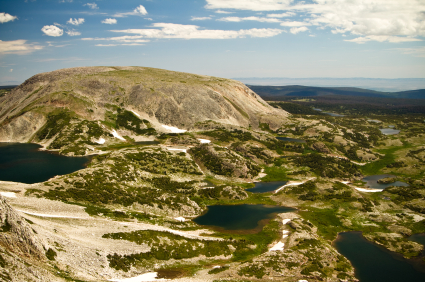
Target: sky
[225,38]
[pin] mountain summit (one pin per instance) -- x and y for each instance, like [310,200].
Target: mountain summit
[159,96]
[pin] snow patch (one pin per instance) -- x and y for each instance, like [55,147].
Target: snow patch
[369,190]
[181,219]
[49,215]
[174,129]
[277,247]
[135,113]
[116,135]
[8,194]
[293,183]
[175,149]
[204,141]
[285,221]
[150,276]
[100,141]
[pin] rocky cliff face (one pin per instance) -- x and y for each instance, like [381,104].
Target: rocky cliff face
[160,96]
[16,234]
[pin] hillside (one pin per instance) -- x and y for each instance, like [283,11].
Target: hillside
[97,94]
[277,92]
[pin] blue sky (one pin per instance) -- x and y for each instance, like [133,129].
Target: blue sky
[226,38]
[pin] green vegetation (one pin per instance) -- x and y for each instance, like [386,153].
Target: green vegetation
[128,120]
[166,245]
[55,122]
[252,270]
[296,109]
[327,166]
[275,173]
[51,254]
[223,161]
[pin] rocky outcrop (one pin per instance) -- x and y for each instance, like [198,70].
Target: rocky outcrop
[17,236]
[22,128]
[160,96]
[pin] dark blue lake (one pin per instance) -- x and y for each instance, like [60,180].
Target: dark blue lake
[374,263]
[239,217]
[286,139]
[372,181]
[263,187]
[25,163]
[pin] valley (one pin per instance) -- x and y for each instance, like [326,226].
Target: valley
[167,150]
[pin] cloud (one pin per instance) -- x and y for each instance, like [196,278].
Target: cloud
[296,30]
[52,30]
[5,17]
[417,52]
[282,15]
[382,38]
[200,18]
[252,5]
[73,33]
[258,19]
[106,45]
[294,24]
[11,70]
[75,21]
[136,12]
[18,47]
[92,6]
[179,31]
[109,21]
[223,12]
[369,20]
[122,40]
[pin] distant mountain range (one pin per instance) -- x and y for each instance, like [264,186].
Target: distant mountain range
[273,92]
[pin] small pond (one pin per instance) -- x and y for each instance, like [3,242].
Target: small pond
[328,113]
[418,238]
[286,139]
[146,143]
[262,187]
[372,181]
[239,217]
[374,263]
[389,131]
[25,163]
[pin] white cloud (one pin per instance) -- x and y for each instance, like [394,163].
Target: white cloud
[75,21]
[52,30]
[18,47]
[258,19]
[73,33]
[296,30]
[109,21]
[11,70]
[282,15]
[370,20]
[382,38]
[106,45]
[252,5]
[92,6]
[200,18]
[223,12]
[141,10]
[136,12]
[122,40]
[5,17]
[170,30]
[294,24]
[417,52]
